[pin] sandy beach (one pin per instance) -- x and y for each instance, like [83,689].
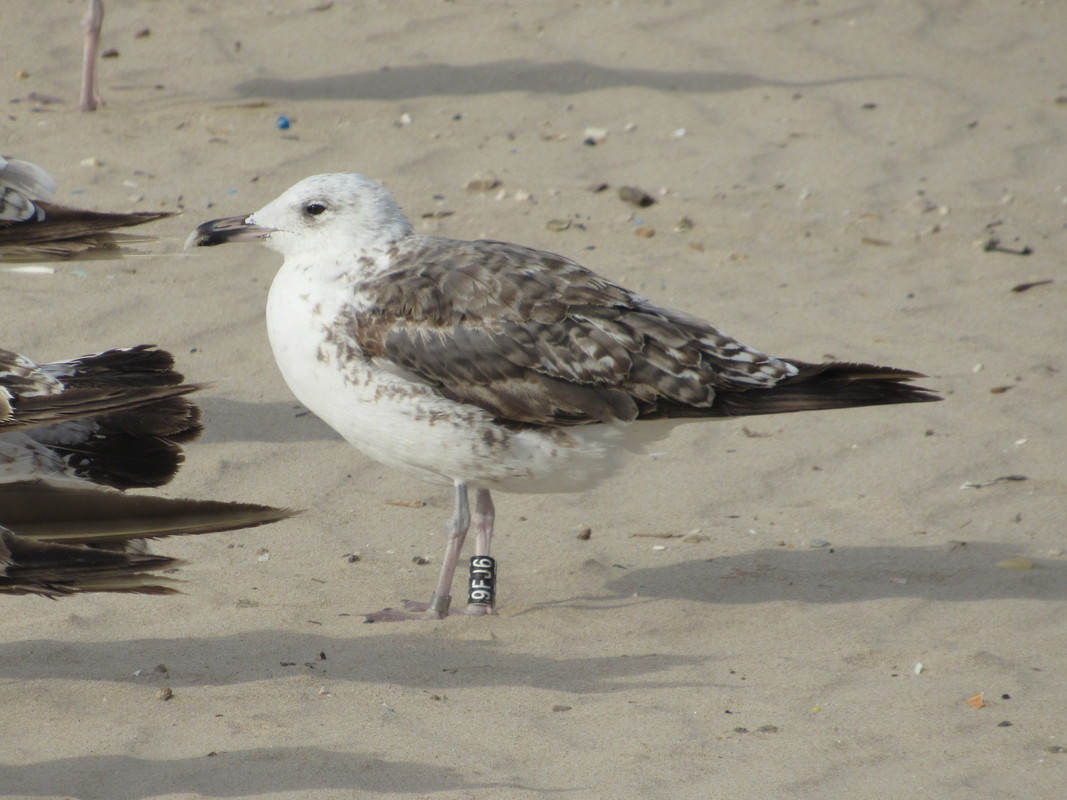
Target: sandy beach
[795,606]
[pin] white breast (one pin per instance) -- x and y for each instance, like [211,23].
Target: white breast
[405,424]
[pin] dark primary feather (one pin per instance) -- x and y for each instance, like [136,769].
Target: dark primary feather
[535,338]
[71,515]
[51,570]
[116,418]
[34,394]
[61,539]
[32,227]
[61,224]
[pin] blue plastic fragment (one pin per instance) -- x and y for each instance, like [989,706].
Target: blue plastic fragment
[283,123]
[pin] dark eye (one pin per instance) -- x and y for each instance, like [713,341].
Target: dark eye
[314,209]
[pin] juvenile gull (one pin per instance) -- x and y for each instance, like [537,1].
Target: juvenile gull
[486,365]
[69,430]
[31,226]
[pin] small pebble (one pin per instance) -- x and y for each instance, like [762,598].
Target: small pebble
[420,560]
[165,693]
[684,225]
[645,231]
[635,196]
[585,534]
[558,224]
[482,184]
[1020,564]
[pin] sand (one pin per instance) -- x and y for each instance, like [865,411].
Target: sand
[843,165]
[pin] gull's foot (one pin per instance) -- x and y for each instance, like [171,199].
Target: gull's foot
[426,611]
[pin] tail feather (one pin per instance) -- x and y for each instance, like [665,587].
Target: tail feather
[61,224]
[45,568]
[815,387]
[103,383]
[57,540]
[116,418]
[48,512]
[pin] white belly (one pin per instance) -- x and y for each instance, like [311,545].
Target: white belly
[407,425]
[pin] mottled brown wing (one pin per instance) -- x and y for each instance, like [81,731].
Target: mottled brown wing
[533,337]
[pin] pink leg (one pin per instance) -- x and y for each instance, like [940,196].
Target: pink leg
[438,606]
[91,24]
[484,516]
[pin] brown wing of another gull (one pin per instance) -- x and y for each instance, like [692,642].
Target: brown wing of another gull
[115,420]
[58,540]
[31,226]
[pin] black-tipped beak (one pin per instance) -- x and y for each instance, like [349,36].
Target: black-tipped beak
[221,231]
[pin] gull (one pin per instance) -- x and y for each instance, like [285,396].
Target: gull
[31,226]
[71,434]
[489,366]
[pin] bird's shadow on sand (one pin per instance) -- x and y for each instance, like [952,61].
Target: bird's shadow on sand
[514,75]
[244,773]
[951,573]
[954,572]
[416,661]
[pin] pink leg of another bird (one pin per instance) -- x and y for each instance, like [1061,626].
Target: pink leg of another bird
[438,606]
[91,24]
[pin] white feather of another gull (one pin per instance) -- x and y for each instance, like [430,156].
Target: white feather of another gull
[486,365]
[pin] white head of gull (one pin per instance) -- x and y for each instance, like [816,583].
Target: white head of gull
[486,365]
